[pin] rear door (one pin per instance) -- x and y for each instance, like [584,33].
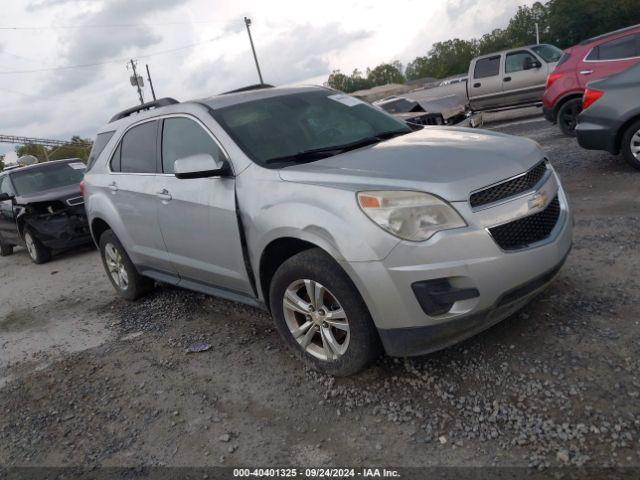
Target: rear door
[521,84]
[485,84]
[8,228]
[609,57]
[197,216]
[132,184]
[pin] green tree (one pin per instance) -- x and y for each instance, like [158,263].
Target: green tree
[339,81]
[35,149]
[76,148]
[451,57]
[384,74]
[419,68]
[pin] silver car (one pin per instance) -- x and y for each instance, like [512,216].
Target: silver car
[357,233]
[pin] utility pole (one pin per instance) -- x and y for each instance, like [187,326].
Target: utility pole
[136,80]
[153,92]
[247,22]
[537,34]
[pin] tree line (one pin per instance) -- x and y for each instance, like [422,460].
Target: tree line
[76,148]
[562,23]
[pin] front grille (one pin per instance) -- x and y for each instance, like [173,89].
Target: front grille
[509,188]
[525,231]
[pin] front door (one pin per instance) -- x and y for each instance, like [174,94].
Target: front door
[198,217]
[521,84]
[8,228]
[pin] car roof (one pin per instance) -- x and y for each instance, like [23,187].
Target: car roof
[607,35]
[37,166]
[237,97]
[494,54]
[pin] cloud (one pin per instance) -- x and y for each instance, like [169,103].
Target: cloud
[296,54]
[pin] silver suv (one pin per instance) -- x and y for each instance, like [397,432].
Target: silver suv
[358,234]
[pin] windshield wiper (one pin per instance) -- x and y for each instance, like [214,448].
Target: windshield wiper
[324,152]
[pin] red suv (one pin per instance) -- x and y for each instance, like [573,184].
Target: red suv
[591,59]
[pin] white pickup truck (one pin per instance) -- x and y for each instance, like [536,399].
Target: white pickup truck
[511,78]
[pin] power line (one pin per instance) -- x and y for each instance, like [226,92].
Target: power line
[108,62]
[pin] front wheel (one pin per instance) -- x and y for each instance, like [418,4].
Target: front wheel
[631,145]
[121,272]
[568,116]
[37,251]
[321,316]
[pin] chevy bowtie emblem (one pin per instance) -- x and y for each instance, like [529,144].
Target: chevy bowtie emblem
[539,200]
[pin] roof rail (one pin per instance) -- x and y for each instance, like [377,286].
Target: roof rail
[161,102]
[608,34]
[257,86]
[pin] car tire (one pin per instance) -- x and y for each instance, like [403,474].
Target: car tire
[122,274]
[6,249]
[344,331]
[568,116]
[630,146]
[37,251]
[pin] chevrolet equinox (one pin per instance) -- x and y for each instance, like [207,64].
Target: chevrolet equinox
[357,233]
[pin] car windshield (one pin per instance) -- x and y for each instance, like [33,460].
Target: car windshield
[549,53]
[47,177]
[319,123]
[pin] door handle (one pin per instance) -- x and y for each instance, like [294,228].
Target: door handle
[164,195]
[586,72]
[476,85]
[507,79]
[113,186]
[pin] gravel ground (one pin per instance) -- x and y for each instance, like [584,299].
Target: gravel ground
[87,379]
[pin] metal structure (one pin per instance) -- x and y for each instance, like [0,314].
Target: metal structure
[136,81]
[153,92]
[40,141]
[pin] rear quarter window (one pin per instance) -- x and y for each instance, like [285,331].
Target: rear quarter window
[98,146]
[618,49]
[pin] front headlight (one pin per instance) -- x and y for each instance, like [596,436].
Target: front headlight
[413,216]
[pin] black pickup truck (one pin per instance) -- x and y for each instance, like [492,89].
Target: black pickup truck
[42,208]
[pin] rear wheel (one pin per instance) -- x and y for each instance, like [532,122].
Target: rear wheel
[631,145]
[568,116]
[321,316]
[37,251]
[121,272]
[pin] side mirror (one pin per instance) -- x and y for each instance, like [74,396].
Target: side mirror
[6,196]
[529,64]
[201,165]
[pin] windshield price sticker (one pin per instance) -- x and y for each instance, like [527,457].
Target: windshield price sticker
[345,99]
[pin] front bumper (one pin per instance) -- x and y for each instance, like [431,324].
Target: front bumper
[469,259]
[59,232]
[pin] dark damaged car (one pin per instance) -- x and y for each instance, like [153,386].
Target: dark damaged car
[42,208]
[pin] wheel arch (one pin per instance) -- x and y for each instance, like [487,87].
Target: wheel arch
[623,129]
[98,227]
[275,254]
[564,99]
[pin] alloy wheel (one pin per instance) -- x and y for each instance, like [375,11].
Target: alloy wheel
[635,145]
[115,265]
[316,319]
[31,246]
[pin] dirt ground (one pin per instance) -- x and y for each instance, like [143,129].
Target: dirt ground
[87,379]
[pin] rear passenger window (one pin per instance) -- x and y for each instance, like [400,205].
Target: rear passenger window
[183,137]
[487,67]
[138,149]
[625,47]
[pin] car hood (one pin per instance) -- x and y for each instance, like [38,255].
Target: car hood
[446,161]
[62,194]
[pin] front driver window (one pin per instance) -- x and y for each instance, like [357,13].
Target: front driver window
[183,137]
[516,61]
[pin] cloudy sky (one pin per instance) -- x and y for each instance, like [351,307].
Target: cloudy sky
[197,48]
